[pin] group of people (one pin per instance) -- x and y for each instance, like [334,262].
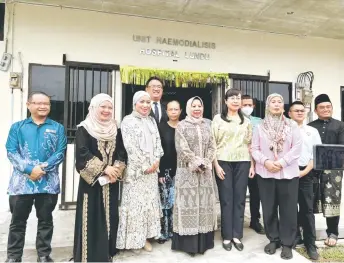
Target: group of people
[169,171]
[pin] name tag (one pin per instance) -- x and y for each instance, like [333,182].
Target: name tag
[50,131]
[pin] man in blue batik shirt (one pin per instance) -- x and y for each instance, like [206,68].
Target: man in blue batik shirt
[247,106]
[36,147]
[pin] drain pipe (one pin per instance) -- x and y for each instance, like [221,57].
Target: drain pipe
[10,27]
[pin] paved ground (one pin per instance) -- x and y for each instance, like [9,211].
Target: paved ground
[63,240]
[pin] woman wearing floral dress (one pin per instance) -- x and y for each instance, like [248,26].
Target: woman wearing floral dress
[168,166]
[140,210]
[194,213]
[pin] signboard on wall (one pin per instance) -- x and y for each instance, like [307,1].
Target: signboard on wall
[172,47]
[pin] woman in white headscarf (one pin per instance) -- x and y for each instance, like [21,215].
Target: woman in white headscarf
[100,160]
[140,210]
[276,148]
[194,213]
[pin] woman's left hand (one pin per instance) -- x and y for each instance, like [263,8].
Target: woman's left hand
[278,164]
[252,172]
[153,168]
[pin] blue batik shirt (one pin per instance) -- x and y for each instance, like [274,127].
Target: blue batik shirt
[28,145]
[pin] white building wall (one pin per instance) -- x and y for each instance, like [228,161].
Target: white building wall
[44,34]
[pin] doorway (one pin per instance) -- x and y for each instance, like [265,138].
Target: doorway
[182,95]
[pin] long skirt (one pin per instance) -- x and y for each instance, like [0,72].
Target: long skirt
[140,212]
[193,244]
[328,192]
[96,222]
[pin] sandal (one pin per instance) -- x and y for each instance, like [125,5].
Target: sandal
[331,237]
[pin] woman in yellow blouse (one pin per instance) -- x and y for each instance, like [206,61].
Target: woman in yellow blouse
[233,133]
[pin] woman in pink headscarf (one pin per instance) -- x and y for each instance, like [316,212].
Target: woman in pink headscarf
[276,147]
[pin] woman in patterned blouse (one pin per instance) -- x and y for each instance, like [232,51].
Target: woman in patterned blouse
[194,213]
[232,132]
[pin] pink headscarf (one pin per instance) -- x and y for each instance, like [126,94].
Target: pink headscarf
[274,126]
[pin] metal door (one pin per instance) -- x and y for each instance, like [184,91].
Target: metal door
[83,81]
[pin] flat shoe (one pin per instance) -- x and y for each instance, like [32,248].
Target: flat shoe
[148,247]
[161,241]
[238,246]
[227,246]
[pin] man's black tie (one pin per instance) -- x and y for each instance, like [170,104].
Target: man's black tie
[156,112]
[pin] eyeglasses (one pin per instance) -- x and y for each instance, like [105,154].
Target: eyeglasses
[155,86]
[297,111]
[40,103]
[233,98]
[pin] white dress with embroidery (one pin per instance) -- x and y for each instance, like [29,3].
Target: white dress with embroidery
[140,209]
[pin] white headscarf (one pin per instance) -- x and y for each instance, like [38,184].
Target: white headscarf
[100,130]
[138,95]
[189,117]
[149,128]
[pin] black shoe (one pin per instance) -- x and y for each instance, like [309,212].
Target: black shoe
[161,241]
[312,252]
[239,246]
[287,253]
[13,260]
[45,259]
[257,226]
[227,246]
[270,248]
[191,254]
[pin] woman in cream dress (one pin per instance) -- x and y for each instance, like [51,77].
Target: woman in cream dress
[140,210]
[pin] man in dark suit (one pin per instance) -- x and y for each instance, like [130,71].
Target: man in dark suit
[155,89]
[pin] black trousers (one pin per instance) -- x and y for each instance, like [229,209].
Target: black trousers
[21,206]
[254,199]
[279,197]
[306,217]
[332,225]
[232,195]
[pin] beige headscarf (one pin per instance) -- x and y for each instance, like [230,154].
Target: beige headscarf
[274,126]
[189,116]
[100,130]
[149,128]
